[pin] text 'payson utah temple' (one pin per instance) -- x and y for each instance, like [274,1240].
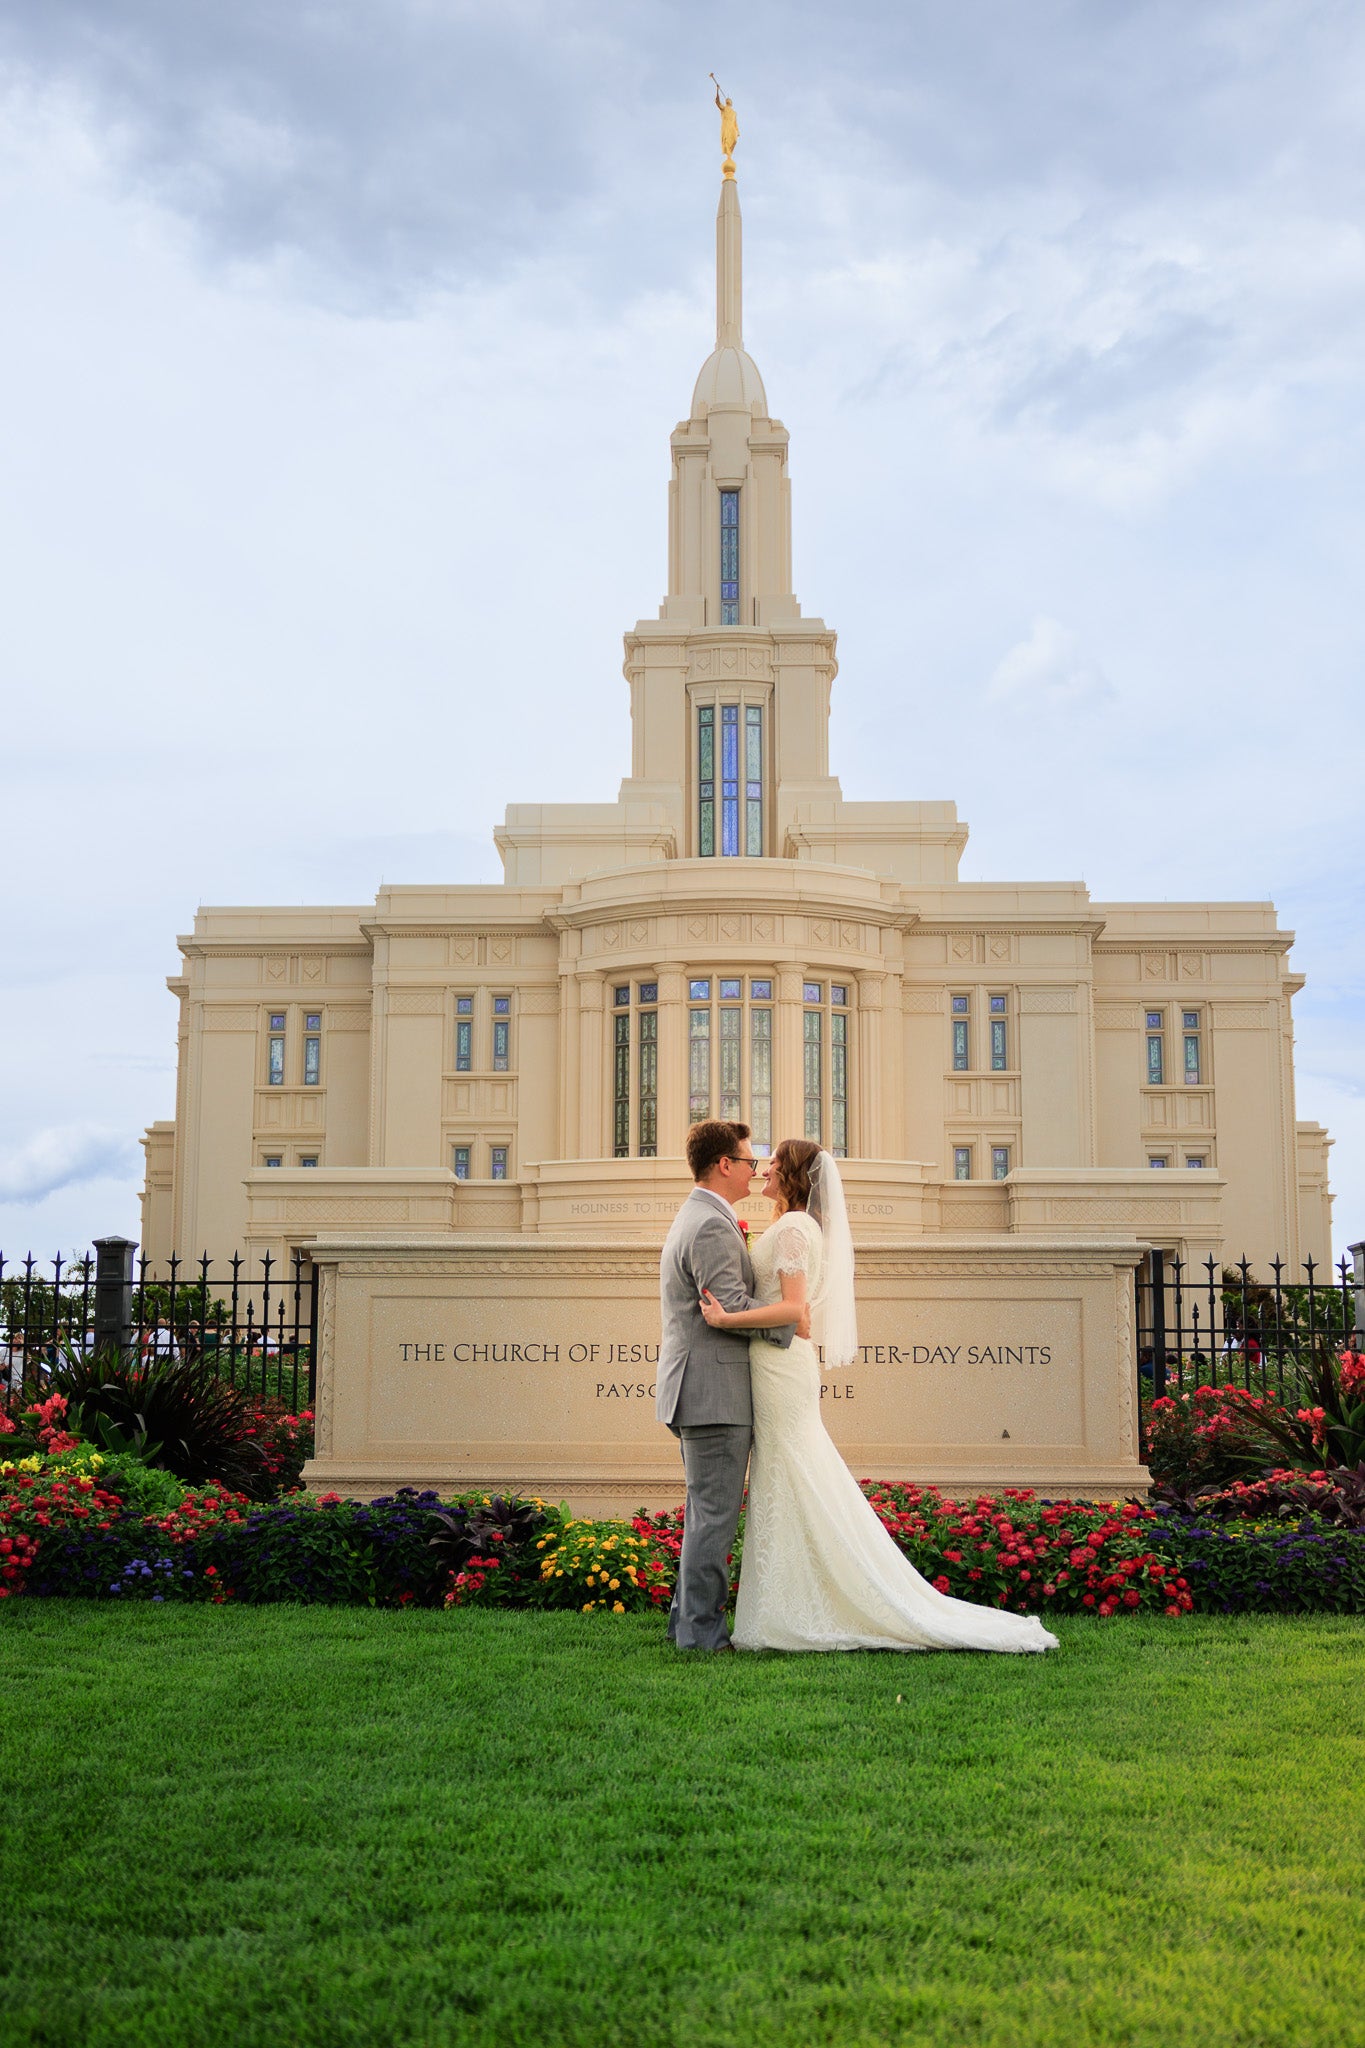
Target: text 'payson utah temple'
[731,937]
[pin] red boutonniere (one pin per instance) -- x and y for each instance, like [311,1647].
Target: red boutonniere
[743,1226]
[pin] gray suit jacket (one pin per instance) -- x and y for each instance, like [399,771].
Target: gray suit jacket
[704,1373]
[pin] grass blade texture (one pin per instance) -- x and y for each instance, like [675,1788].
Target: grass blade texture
[310,1825]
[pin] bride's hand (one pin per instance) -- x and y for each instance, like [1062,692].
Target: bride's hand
[716,1316]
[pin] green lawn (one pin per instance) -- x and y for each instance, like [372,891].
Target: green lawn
[274,1826]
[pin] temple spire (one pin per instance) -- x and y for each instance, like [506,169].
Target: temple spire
[729,268]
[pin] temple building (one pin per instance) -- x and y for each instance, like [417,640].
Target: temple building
[733,937]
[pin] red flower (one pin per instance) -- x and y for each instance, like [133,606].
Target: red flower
[941,1583]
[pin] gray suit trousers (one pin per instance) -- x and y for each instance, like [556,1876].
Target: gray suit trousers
[715,1459]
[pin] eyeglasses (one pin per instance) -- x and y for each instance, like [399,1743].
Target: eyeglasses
[736,1159]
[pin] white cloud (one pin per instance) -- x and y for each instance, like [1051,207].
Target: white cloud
[1050,670]
[62,1156]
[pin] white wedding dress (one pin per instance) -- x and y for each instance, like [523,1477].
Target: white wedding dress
[819,1570]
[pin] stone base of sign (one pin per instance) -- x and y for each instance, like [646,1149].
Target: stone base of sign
[513,1365]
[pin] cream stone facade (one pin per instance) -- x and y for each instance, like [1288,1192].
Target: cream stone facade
[1007,1064]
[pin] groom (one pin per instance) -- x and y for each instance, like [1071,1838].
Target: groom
[703,1386]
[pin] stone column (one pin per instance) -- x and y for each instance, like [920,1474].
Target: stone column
[788,1053]
[591,1066]
[672,1063]
[868,1135]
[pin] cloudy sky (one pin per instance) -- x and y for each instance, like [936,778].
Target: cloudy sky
[341,348]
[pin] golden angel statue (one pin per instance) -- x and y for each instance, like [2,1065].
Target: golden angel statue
[729,129]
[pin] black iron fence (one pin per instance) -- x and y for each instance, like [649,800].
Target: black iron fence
[253,1320]
[1212,1325]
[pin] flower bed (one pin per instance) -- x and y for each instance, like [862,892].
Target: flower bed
[82,1525]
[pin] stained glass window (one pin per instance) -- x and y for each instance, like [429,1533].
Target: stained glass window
[649,991]
[812,1065]
[761,991]
[730,991]
[461,1162]
[502,1033]
[621,997]
[999,1035]
[1000,1162]
[311,1160]
[277,1062]
[838,1084]
[464,1006]
[729,558]
[1196,1160]
[313,1022]
[812,992]
[838,995]
[502,1006]
[698,1065]
[761,1075]
[620,1093]
[731,1040]
[497,1159]
[962,1034]
[277,1020]
[706,781]
[699,991]
[753,781]
[1156,1050]
[962,1162]
[1157,1161]
[273,1159]
[729,779]
[649,1083]
[464,1046]
[1190,1020]
[312,1061]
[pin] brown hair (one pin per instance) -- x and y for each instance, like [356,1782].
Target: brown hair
[710,1141]
[794,1159]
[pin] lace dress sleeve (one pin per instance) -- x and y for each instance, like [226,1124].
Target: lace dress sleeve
[791,1246]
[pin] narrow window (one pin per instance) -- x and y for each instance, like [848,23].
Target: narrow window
[753,780]
[620,1092]
[464,1044]
[501,1041]
[497,1160]
[729,779]
[1000,1162]
[813,1068]
[706,780]
[962,1034]
[1190,1020]
[277,1049]
[838,1081]
[730,991]
[464,1006]
[999,1035]
[649,991]
[761,1075]
[312,1049]
[621,997]
[311,1160]
[1157,1160]
[1156,1050]
[761,991]
[731,1042]
[962,1162]
[1196,1159]
[729,558]
[649,1076]
[698,1062]
[699,991]
[461,1162]
[273,1159]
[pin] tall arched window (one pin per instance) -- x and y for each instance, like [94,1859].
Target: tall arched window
[730,780]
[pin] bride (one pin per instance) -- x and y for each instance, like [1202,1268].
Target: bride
[820,1572]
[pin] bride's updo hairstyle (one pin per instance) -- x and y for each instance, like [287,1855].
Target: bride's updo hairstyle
[794,1159]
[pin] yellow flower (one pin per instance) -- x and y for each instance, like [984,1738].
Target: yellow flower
[614,1584]
[591,1580]
[617,1608]
[588,1606]
[559,1575]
